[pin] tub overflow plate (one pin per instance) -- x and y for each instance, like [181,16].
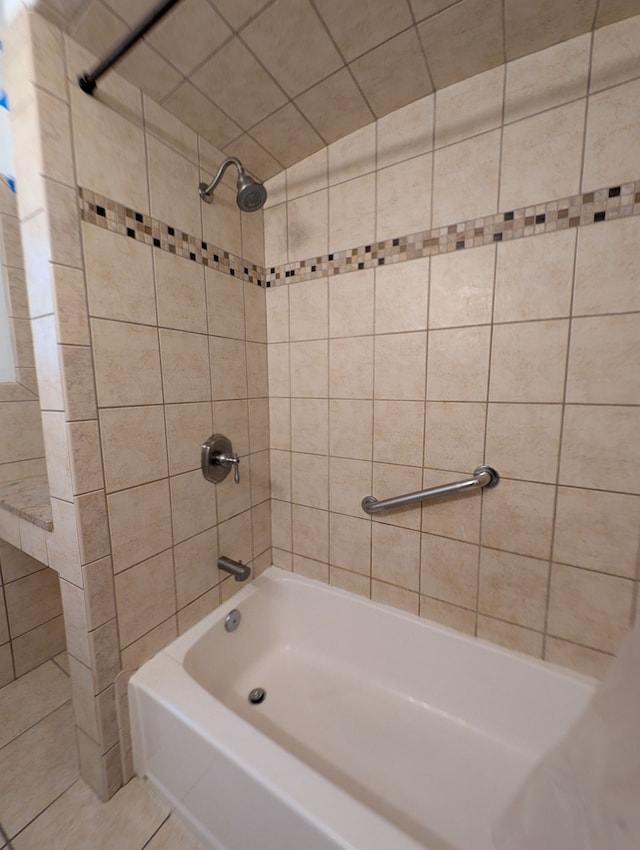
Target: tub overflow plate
[232,620]
[257,695]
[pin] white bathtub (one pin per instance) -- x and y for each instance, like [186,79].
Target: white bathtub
[379,730]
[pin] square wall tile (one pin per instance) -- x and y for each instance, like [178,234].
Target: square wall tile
[279,369]
[347,580]
[193,505]
[310,480]
[523,440]
[169,174]
[395,596]
[515,638]
[308,311]
[188,426]
[401,297]
[196,566]
[352,213]
[465,179]
[392,479]
[457,517]
[138,610]
[180,291]
[310,425]
[513,588]
[597,530]
[454,435]
[534,277]
[310,532]
[517,516]
[400,366]
[542,157]
[232,418]
[398,431]
[278,313]
[127,363]
[605,254]
[309,369]
[547,78]
[350,543]
[140,521]
[349,482]
[307,176]
[308,225]
[589,608]
[604,360]
[119,274]
[352,156]
[461,291]
[399,211]
[612,158]
[469,107]
[109,150]
[395,556]
[134,446]
[449,570]
[458,364]
[415,121]
[185,366]
[228,368]
[351,428]
[614,53]
[528,361]
[451,616]
[600,448]
[351,367]
[351,304]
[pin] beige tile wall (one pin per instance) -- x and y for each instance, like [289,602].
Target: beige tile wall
[31,626]
[141,355]
[21,446]
[522,354]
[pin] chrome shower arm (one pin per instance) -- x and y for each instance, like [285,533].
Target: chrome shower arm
[207,191]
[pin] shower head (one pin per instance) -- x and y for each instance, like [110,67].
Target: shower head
[251,194]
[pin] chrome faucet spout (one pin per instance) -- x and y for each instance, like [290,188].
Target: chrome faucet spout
[240,571]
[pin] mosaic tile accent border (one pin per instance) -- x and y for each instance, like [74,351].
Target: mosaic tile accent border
[118,218]
[606,204]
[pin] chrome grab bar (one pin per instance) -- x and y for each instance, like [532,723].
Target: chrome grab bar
[483,476]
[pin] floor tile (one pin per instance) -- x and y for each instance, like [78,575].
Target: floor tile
[28,699]
[36,768]
[79,821]
[171,837]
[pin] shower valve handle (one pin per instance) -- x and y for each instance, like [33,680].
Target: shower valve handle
[217,458]
[232,458]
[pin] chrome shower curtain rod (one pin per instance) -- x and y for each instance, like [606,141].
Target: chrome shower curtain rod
[87,82]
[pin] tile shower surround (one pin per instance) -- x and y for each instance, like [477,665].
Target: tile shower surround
[79,548]
[607,204]
[452,604]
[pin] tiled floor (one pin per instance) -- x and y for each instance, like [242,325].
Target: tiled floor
[44,805]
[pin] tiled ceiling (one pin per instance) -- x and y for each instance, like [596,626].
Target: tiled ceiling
[272,81]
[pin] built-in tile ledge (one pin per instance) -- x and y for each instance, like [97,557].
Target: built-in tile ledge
[28,499]
[587,208]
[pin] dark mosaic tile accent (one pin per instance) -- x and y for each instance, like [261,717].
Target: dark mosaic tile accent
[605,204]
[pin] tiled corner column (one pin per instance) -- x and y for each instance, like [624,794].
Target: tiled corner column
[78,547]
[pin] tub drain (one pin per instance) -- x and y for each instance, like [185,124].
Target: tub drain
[257,695]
